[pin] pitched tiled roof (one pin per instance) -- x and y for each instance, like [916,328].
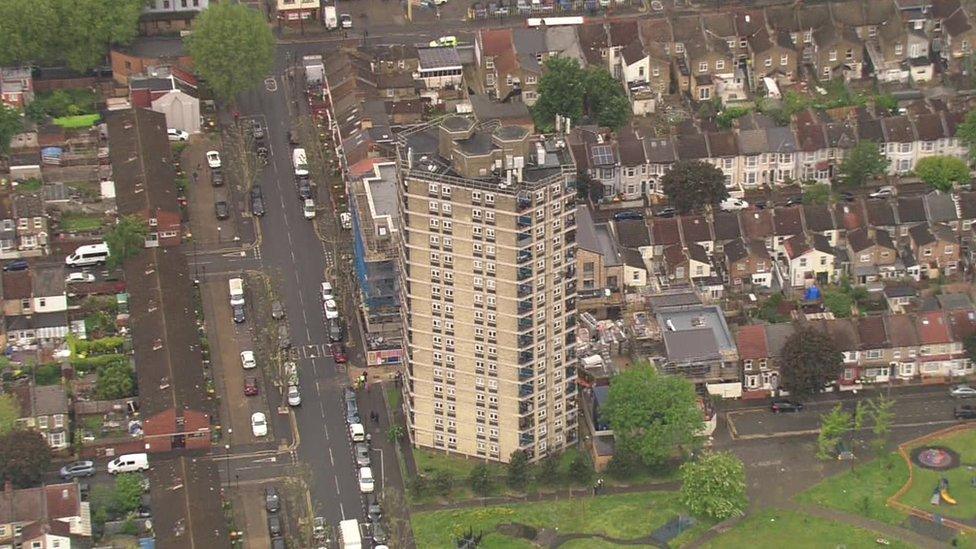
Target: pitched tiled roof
[932,328]
[695,228]
[911,209]
[901,330]
[880,213]
[632,233]
[818,217]
[756,224]
[871,332]
[726,226]
[751,341]
[631,148]
[787,221]
[665,232]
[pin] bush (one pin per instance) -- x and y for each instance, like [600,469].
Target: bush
[47,374]
[480,480]
[547,471]
[518,469]
[99,346]
[116,380]
[623,465]
[60,103]
[441,483]
[85,365]
[580,469]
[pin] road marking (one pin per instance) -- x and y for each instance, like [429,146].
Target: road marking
[331,460]
[271,84]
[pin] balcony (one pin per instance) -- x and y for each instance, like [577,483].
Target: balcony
[571,323]
[524,289]
[570,222]
[526,390]
[526,439]
[523,202]
[570,287]
[523,239]
[525,306]
[570,339]
[571,304]
[524,273]
[525,357]
[569,272]
[526,408]
[525,340]
[570,238]
[526,423]
[570,387]
[524,221]
[570,372]
[526,374]
[524,324]
[524,256]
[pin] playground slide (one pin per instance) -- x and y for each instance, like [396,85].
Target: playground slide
[947,498]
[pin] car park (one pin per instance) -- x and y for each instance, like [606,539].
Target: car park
[966,411]
[338,351]
[357,433]
[294,396]
[277,310]
[77,469]
[962,391]
[250,386]
[272,500]
[362,454]
[247,360]
[177,135]
[222,210]
[274,525]
[259,424]
[326,291]
[331,309]
[366,481]
[79,278]
[213,159]
[785,405]
[217,178]
[257,201]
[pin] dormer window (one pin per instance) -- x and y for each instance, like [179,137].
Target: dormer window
[490,63]
[898,49]
[153,222]
[679,47]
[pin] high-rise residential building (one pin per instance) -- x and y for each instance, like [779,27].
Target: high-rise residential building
[486,267]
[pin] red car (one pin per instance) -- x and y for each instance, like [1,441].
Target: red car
[338,353]
[250,386]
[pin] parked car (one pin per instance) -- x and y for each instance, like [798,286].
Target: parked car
[217,178]
[732,204]
[445,42]
[16,265]
[319,532]
[177,135]
[366,481]
[294,396]
[362,454]
[352,413]
[222,209]
[213,159]
[338,351]
[794,200]
[259,424]
[257,201]
[847,196]
[357,432]
[966,411]
[77,469]
[348,395]
[331,309]
[79,277]
[374,512]
[274,525]
[284,341]
[238,313]
[326,291]
[345,21]
[272,501]
[666,212]
[884,192]
[257,130]
[380,535]
[785,405]
[247,360]
[250,386]
[962,391]
[277,310]
[628,215]
[304,188]
[336,331]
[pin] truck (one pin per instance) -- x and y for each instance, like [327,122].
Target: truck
[314,69]
[349,535]
[330,18]
[236,286]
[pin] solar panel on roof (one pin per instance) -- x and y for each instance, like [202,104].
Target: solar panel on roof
[603,154]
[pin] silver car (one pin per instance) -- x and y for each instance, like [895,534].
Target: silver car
[294,397]
[77,469]
[362,454]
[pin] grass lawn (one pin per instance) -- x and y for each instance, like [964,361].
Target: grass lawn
[81,223]
[429,461]
[29,186]
[864,490]
[779,528]
[959,480]
[623,516]
[79,121]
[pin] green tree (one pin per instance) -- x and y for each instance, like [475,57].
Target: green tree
[580,469]
[966,132]
[838,302]
[605,100]
[125,240]
[480,480]
[89,27]
[115,381]
[11,123]
[881,411]
[942,172]
[547,470]
[24,457]
[232,48]
[714,486]
[25,26]
[817,193]
[886,102]
[653,415]
[569,90]
[692,184]
[128,493]
[9,413]
[394,433]
[518,469]
[833,426]
[810,361]
[862,163]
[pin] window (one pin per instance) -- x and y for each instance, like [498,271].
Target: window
[704,94]
[703,66]
[832,55]
[768,62]
[655,71]
[679,48]
[904,147]
[720,64]
[489,63]
[784,60]
[898,49]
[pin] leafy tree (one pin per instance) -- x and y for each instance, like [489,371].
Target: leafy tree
[548,469]
[11,123]
[714,486]
[692,184]
[580,469]
[605,100]
[24,457]
[569,90]
[881,411]
[862,163]
[839,303]
[810,361]
[966,132]
[128,493]
[394,433]
[480,480]
[833,426]
[886,102]
[518,469]
[116,380]
[9,413]
[232,48]
[441,482]
[125,240]
[653,415]
[818,193]
[942,172]
[25,26]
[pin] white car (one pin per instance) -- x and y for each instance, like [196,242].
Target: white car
[884,192]
[357,432]
[294,397]
[731,204]
[445,42]
[327,291]
[259,424]
[177,135]
[213,159]
[963,391]
[331,309]
[345,20]
[366,482]
[345,219]
[247,360]
[79,277]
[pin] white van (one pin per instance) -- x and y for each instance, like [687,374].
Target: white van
[89,254]
[300,161]
[308,209]
[236,286]
[128,463]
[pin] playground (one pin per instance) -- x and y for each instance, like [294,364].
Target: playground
[942,480]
